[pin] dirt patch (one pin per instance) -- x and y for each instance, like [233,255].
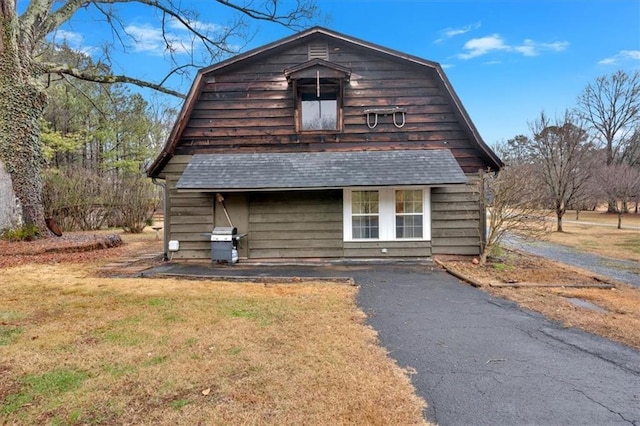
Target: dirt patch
[549,287]
[78,247]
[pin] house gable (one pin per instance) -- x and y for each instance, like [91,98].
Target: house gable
[247,104]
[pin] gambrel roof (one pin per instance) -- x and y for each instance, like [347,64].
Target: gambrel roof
[313,34]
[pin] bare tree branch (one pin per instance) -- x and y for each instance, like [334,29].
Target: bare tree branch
[89,76]
[303,10]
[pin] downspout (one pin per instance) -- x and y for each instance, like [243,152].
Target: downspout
[165,218]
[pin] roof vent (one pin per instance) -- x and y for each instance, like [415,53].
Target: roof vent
[318,51]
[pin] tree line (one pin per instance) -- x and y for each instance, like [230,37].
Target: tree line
[587,156]
[44,89]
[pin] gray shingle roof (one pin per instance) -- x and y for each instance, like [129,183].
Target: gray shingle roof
[305,170]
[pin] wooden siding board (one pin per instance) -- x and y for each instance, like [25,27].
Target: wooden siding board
[394,249]
[459,250]
[272,235]
[455,224]
[464,223]
[295,227]
[451,216]
[295,253]
[295,217]
[311,226]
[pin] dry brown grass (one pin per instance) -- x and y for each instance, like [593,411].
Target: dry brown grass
[79,349]
[620,322]
[603,240]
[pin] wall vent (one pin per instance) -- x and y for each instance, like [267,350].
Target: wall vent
[318,51]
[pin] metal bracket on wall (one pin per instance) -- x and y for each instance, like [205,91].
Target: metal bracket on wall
[373,113]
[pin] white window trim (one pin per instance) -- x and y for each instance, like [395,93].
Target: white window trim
[387,213]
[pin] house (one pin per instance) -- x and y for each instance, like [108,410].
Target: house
[321,145]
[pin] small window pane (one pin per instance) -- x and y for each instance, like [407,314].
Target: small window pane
[365,226]
[364,202]
[409,226]
[409,201]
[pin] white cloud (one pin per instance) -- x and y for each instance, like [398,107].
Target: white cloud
[72,38]
[205,27]
[176,37]
[623,55]
[485,45]
[531,48]
[151,40]
[452,32]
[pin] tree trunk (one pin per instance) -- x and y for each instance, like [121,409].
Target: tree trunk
[22,103]
[559,214]
[620,219]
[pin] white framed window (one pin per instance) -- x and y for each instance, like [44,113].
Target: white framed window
[387,214]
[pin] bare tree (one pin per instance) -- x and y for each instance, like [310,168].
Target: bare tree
[24,71]
[512,208]
[611,106]
[621,182]
[562,151]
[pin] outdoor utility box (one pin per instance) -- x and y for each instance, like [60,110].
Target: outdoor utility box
[224,243]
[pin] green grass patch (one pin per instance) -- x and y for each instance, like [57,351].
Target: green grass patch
[11,315]
[156,360]
[123,332]
[632,244]
[171,317]
[9,334]
[43,386]
[501,266]
[158,302]
[118,370]
[242,313]
[179,403]
[123,337]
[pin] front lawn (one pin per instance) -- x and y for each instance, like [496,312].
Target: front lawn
[79,349]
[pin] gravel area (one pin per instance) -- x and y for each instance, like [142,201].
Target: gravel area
[625,271]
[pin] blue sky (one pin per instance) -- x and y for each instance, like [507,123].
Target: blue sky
[507,60]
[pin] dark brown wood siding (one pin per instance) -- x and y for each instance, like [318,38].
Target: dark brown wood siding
[251,108]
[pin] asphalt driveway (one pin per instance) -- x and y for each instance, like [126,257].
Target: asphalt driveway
[479,360]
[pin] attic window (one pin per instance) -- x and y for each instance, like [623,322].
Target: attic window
[318,51]
[317,89]
[318,102]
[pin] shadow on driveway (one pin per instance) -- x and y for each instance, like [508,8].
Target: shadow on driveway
[479,360]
